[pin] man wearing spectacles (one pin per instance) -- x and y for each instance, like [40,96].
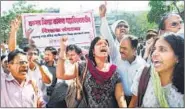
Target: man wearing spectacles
[119,29]
[171,22]
[35,71]
[17,89]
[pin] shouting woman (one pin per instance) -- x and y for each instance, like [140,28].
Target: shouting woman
[102,83]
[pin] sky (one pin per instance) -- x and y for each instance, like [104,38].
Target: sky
[77,6]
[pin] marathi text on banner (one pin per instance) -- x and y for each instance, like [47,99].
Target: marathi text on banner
[48,28]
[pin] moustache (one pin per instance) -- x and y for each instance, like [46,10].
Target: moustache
[25,70]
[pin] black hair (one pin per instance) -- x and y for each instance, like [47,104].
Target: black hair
[133,40]
[2,57]
[14,53]
[163,19]
[177,44]
[33,47]
[151,34]
[72,47]
[91,54]
[52,49]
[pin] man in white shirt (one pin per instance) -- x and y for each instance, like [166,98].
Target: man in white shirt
[38,72]
[125,57]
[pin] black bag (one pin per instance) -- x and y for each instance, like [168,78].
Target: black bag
[52,87]
[57,99]
[143,83]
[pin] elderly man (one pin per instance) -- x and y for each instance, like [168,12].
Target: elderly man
[119,28]
[171,22]
[17,89]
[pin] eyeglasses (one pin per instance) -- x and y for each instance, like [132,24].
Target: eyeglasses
[20,62]
[174,24]
[32,53]
[120,26]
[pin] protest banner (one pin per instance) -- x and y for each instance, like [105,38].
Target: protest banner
[48,28]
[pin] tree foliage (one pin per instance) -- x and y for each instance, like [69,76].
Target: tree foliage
[160,7]
[17,9]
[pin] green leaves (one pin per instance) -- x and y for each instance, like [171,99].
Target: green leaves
[138,23]
[159,7]
[17,9]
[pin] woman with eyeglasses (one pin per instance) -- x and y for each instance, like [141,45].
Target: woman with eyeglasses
[102,85]
[165,87]
[170,22]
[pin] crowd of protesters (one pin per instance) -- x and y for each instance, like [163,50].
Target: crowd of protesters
[117,71]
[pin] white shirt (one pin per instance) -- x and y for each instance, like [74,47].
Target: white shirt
[36,75]
[126,70]
[69,68]
[174,98]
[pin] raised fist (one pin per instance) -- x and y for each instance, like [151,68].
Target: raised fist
[63,43]
[15,23]
[28,32]
[102,10]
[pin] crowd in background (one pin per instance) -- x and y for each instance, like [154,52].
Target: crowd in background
[117,71]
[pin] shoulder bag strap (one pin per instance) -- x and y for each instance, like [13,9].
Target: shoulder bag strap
[144,79]
[80,89]
[80,81]
[84,72]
